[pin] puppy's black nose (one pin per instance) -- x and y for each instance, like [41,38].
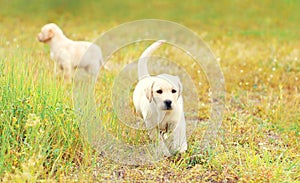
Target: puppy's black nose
[168,103]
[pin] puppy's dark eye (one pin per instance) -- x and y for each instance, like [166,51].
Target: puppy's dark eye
[174,91]
[159,91]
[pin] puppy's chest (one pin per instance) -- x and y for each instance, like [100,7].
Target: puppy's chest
[57,56]
[62,56]
[166,125]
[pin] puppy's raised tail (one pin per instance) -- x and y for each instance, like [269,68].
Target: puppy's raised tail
[142,64]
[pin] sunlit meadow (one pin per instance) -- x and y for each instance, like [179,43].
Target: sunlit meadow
[255,42]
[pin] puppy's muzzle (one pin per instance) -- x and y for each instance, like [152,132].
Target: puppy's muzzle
[41,39]
[168,104]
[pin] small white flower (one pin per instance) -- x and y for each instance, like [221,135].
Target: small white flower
[32,120]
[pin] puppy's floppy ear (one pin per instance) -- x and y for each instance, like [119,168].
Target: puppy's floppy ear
[50,33]
[149,92]
[179,86]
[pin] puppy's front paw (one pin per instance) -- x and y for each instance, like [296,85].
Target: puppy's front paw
[165,136]
[183,148]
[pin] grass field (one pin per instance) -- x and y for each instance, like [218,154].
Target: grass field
[256,42]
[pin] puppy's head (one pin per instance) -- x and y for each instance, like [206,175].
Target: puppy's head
[164,93]
[48,31]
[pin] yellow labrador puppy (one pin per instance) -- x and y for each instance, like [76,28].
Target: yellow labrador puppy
[69,54]
[159,100]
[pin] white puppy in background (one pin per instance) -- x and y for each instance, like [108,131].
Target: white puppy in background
[159,100]
[70,55]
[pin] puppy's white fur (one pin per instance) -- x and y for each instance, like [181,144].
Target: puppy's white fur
[159,100]
[68,54]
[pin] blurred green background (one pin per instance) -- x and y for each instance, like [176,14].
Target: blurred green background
[267,18]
